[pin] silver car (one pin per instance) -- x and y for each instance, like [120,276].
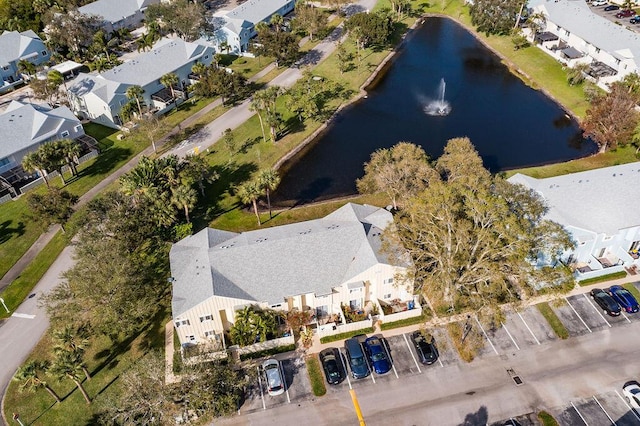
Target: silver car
[273,377]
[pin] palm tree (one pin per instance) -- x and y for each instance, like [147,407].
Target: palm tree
[73,340]
[258,105]
[135,92]
[71,150]
[28,374]
[249,194]
[142,180]
[33,162]
[277,20]
[186,197]
[53,154]
[26,67]
[67,366]
[168,80]
[269,181]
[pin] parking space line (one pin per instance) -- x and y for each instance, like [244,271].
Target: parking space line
[411,352]
[387,350]
[485,335]
[597,310]
[574,407]
[627,404]
[605,411]
[344,366]
[527,325]
[512,339]
[264,406]
[578,315]
[440,361]
[625,316]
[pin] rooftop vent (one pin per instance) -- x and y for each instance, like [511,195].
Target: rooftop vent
[334,226]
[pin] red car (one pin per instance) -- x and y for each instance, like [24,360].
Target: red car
[625,13]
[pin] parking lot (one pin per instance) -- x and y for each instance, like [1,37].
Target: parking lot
[611,15]
[523,328]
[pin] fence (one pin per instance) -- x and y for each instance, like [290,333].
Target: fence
[330,329]
[269,344]
[416,312]
[55,173]
[5,198]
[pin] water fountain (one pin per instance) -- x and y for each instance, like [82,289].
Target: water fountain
[439,106]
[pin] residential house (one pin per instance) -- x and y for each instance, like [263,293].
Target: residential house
[100,97]
[599,208]
[239,24]
[573,34]
[315,265]
[118,14]
[24,127]
[14,47]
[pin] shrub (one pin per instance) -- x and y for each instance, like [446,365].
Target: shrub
[268,352]
[347,335]
[547,419]
[608,277]
[315,376]
[404,322]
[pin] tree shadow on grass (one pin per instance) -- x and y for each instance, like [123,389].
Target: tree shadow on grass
[7,231]
[230,175]
[106,162]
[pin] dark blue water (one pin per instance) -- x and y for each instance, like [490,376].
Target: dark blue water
[510,124]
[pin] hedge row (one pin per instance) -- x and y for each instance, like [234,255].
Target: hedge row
[347,335]
[267,352]
[403,322]
[608,277]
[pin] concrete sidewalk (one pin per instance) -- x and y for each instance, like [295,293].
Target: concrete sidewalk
[440,321]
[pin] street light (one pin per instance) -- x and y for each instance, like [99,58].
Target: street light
[3,304]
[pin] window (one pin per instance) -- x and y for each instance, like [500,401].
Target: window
[122,102]
[6,68]
[567,33]
[388,281]
[4,161]
[279,305]
[355,304]
[192,339]
[206,318]
[209,334]
[78,128]
[64,134]
[597,50]
[322,311]
[182,322]
[387,296]
[206,56]
[44,53]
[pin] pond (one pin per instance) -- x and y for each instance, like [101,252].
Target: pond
[510,124]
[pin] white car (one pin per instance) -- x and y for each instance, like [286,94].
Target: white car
[273,376]
[598,3]
[631,391]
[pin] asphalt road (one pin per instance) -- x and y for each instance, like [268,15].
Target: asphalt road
[482,392]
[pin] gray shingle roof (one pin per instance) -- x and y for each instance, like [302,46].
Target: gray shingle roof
[24,125]
[167,56]
[114,10]
[577,18]
[256,11]
[602,200]
[267,265]
[14,45]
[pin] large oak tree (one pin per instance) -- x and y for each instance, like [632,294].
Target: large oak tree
[474,239]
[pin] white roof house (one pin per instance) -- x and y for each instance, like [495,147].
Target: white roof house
[599,208]
[239,23]
[14,47]
[216,270]
[612,49]
[99,97]
[117,14]
[24,127]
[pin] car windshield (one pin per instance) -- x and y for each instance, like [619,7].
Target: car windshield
[612,304]
[624,294]
[378,357]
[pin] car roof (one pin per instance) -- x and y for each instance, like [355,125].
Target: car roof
[270,362]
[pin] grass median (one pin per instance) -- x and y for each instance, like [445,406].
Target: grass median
[553,320]
[315,376]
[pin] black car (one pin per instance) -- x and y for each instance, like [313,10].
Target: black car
[427,351]
[611,7]
[635,20]
[332,366]
[606,302]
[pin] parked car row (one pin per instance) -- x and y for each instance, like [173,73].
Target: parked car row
[366,354]
[614,299]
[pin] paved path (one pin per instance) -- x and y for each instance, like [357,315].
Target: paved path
[17,339]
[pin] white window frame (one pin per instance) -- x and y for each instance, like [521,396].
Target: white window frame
[208,317]
[64,134]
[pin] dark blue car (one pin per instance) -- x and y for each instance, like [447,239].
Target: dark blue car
[624,298]
[377,355]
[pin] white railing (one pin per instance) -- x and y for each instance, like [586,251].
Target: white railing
[415,312]
[332,329]
[269,344]
[5,198]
